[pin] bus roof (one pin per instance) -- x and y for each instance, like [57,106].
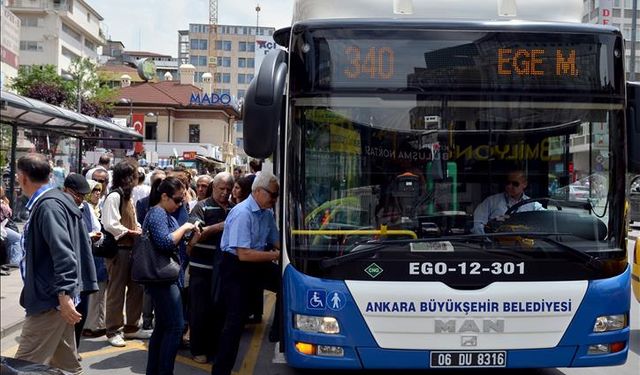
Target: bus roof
[526,10]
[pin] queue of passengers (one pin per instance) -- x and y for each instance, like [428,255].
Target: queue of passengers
[205,222]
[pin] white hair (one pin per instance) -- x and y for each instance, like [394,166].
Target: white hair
[263,180]
[225,177]
[204,176]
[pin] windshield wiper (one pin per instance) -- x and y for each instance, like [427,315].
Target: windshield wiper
[375,246]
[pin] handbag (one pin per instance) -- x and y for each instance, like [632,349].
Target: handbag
[149,266]
[107,248]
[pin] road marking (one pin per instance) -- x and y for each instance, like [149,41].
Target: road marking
[249,364]
[131,346]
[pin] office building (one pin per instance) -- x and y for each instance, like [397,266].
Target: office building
[239,50]
[616,13]
[57,31]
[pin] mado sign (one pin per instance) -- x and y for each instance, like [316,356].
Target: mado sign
[205,98]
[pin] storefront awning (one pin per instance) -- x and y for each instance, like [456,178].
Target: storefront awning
[33,114]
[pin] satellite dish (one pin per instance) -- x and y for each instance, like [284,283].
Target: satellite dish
[146,69]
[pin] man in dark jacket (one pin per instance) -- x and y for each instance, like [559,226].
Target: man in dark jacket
[56,269]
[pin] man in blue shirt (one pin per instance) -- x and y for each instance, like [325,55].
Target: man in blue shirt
[495,206]
[249,230]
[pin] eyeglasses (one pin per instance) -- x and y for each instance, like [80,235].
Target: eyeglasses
[178,200]
[273,194]
[96,191]
[513,183]
[100,181]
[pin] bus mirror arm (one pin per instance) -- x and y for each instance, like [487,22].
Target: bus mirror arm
[262,109]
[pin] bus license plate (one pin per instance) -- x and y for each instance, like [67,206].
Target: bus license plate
[469,359]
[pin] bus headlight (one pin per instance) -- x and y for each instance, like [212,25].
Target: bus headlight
[317,324]
[607,323]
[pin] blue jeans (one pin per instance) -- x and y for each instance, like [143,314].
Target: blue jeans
[14,248]
[167,333]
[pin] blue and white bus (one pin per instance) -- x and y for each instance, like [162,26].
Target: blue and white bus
[388,130]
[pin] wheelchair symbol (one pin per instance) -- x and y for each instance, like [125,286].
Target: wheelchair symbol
[316,299]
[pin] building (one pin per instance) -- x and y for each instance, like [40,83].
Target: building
[57,31]
[10,45]
[116,61]
[239,50]
[173,123]
[617,13]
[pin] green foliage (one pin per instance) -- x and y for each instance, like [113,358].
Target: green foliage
[40,76]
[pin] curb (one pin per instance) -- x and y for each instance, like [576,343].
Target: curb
[11,328]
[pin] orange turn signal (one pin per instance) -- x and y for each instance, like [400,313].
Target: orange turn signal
[617,347]
[306,348]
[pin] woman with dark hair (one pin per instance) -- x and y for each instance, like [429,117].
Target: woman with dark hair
[166,197]
[119,219]
[241,189]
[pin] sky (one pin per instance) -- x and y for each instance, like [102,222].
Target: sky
[152,25]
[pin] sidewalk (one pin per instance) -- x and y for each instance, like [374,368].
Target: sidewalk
[11,313]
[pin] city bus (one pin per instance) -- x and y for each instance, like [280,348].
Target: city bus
[389,123]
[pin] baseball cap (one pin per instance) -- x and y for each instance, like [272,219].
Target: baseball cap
[77,183]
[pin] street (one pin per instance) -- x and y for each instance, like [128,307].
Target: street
[258,356]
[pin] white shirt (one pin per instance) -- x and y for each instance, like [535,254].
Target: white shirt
[111,216]
[497,205]
[139,192]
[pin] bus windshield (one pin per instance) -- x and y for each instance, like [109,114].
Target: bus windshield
[419,169]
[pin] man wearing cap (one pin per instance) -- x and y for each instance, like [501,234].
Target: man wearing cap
[56,268]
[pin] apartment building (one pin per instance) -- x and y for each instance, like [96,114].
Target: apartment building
[617,13]
[57,31]
[10,45]
[239,50]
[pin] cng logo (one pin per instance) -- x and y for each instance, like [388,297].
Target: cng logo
[373,270]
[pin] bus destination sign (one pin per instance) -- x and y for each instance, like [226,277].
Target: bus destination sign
[468,61]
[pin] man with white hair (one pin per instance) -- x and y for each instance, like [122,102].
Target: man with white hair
[249,230]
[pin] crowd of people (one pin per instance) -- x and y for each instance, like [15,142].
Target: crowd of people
[220,228]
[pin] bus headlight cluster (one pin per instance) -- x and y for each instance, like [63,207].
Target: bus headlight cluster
[317,324]
[607,323]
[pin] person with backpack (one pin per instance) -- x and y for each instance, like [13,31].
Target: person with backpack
[119,219]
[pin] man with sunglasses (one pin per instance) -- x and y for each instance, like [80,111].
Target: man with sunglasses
[495,206]
[249,230]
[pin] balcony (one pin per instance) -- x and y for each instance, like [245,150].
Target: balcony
[61,5]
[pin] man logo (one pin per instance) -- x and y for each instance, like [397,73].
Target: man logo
[469,341]
[469,326]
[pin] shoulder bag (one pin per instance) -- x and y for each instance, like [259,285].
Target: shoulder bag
[108,247]
[149,266]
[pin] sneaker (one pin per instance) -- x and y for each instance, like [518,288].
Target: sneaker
[117,341]
[200,359]
[141,334]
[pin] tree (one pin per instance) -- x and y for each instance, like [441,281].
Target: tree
[96,96]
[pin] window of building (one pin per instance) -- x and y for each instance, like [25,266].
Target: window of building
[615,13]
[242,78]
[616,3]
[239,126]
[628,4]
[242,62]
[200,44]
[90,45]
[251,62]
[240,142]
[226,45]
[68,54]
[30,21]
[71,32]
[31,45]
[151,131]
[89,17]
[218,45]
[225,91]
[198,76]
[226,77]
[241,93]
[194,133]
[226,62]
[217,77]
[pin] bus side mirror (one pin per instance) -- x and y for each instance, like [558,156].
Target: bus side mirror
[262,109]
[633,127]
